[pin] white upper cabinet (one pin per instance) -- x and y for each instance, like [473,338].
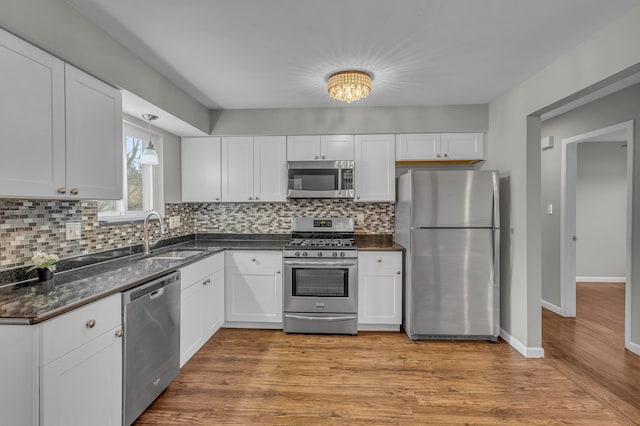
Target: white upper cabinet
[254,169]
[375,168]
[60,128]
[94,137]
[316,147]
[440,147]
[270,168]
[201,174]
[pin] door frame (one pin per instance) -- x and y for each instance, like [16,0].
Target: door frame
[569,174]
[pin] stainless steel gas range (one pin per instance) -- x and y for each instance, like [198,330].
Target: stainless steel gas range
[320,277]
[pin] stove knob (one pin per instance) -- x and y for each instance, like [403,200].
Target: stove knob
[335,254]
[319,254]
[341,254]
[304,254]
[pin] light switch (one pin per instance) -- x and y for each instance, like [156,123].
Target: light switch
[73,231]
[549,208]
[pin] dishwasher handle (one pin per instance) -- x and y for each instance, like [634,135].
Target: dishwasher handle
[153,289]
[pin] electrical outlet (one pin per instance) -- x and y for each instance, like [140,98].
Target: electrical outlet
[549,208]
[174,222]
[360,217]
[73,231]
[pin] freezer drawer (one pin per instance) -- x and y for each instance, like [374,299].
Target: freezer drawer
[454,290]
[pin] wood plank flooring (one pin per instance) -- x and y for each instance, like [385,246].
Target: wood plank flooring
[266,377]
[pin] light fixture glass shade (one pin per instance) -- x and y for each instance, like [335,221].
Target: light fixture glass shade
[149,155]
[349,86]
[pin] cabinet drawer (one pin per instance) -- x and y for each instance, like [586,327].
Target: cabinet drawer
[256,262]
[371,261]
[67,332]
[195,272]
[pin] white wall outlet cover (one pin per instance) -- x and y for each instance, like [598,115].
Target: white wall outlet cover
[546,142]
[549,208]
[73,231]
[360,217]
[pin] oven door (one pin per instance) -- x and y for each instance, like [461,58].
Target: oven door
[319,285]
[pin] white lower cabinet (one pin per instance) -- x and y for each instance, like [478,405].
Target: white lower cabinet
[379,290]
[254,288]
[201,304]
[81,366]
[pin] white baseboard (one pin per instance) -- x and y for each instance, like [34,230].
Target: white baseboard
[633,347]
[527,352]
[245,324]
[550,306]
[601,279]
[378,327]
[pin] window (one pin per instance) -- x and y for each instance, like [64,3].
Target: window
[141,181]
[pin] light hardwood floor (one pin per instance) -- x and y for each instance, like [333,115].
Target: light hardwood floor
[268,377]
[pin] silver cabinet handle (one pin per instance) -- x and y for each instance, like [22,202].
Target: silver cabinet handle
[74,191]
[250,198]
[257,198]
[62,190]
[324,157]
[398,273]
[446,155]
[438,156]
[253,260]
[91,323]
[316,157]
[277,272]
[379,260]
[217,198]
[119,333]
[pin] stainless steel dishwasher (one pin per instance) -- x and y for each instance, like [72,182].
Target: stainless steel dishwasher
[151,317]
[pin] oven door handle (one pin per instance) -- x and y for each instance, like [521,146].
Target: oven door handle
[314,263]
[303,317]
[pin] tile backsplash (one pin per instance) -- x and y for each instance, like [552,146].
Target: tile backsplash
[27,226]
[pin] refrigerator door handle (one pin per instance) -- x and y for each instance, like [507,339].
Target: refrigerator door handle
[496,280]
[496,200]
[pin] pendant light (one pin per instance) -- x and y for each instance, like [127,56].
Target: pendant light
[149,155]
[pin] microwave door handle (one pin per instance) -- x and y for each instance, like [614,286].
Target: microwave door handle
[339,179]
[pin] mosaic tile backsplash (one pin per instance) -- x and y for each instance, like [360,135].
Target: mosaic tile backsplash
[27,226]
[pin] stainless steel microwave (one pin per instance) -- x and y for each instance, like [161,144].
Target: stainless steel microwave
[321,179]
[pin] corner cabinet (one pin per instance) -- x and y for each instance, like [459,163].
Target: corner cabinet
[201,171]
[468,147]
[254,168]
[375,168]
[379,290]
[61,129]
[201,304]
[320,147]
[253,289]
[81,366]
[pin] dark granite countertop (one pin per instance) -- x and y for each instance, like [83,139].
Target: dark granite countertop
[91,277]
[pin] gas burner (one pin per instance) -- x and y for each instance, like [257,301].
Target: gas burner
[323,237]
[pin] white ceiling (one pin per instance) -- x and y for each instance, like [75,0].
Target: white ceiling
[231,54]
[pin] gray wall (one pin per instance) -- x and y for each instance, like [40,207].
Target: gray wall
[53,25]
[607,56]
[601,201]
[348,120]
[613,109]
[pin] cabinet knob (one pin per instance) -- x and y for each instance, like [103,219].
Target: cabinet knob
[257,198]
[438,155]
[316,157]
[91,323]
[398,273]
[250,198]
[446,155]
[217,198]
[324,157]
[62,190]
[253,260]
[379,260]
[277,272]
[358,197]
[119,333]
[74,191]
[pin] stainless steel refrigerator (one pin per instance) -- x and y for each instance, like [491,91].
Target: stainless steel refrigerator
[449,223]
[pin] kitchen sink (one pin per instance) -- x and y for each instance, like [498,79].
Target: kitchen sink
[175,255]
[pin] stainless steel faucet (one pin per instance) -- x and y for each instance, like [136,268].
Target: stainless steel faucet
[163,230]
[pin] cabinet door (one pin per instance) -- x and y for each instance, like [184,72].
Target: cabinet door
[270,168]
[84,387]
[375,168]
[237,168]
[94,137]
[201,172]
[419,146]
[213,309]
[303,148]
[191,324]
[462,146]
[336,147]
[254,287]
[380,288]
[32,131]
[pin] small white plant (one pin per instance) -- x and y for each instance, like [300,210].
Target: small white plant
[42,260]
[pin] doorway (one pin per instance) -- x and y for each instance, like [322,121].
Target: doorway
[569,176]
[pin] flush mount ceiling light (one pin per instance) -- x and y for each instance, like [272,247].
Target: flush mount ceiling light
[149,155]
[349,86]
